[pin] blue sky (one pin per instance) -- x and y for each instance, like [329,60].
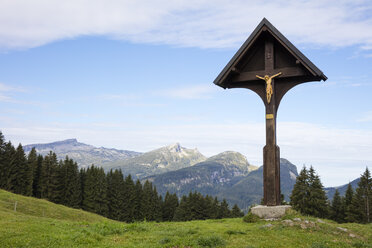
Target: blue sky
[140,76]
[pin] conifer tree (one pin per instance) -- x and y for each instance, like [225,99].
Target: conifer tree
[82,175]
[36,182]
[95,191]
[32,160]
[211,211]
[224,211]
[337,208]
[3,162]
[55,186]
[182,212]
[128,199]
[236,212]
[169,206]
[215,209]
[156,203]
[6,171]
[362,203]
[71,194]
[348,204]
[308,195]
[299,196]
[146,205]
[21,174]
[48,171]
[317,201]
[138,215]
[115,195]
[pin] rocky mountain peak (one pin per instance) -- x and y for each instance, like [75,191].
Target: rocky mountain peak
[175,147]
[229,158]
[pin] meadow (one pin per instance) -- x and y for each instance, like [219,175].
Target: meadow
[31,222]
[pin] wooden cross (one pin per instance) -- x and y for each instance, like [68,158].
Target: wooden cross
[270,65]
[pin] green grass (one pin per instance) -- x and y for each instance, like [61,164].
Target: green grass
[39,223]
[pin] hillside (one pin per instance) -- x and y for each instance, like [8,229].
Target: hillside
[85,155]
[64,227]
[164,159]
[227,175]
[208,177]
[330,191]
[249,190]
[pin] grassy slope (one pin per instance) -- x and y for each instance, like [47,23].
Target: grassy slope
[39,223]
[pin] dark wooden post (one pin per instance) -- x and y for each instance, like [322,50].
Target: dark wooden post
[271,157]
[270,65]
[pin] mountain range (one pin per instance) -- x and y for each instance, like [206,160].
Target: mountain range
[227,175]
[180,170]
[85,155]
[164,159]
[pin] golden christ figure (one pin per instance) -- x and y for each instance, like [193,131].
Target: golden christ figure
[269,87]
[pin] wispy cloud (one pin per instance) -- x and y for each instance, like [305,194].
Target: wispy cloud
[367,117]
[331,150]
[7,91]
[189,92]
[205,24]
[9,88]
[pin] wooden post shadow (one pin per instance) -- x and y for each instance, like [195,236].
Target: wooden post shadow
[270,65]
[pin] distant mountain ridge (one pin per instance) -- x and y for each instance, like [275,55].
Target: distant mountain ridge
[227,175]
[180,170]
[85,155]
[164,159]
[330,191]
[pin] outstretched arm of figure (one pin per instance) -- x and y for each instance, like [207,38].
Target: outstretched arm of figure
[260,77]
[276,75]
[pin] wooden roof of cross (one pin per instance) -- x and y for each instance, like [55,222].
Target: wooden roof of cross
[234,74]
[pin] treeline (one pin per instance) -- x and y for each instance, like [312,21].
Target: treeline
[309,197]
[111,195]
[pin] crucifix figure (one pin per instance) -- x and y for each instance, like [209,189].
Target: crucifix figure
[268,52]
[269,88]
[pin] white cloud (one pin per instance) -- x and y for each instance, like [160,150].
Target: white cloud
[339,155]
[189,92]
[206,24]
[6,92]
[8,88]
[367,117]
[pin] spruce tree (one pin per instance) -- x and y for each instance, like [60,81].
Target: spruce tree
[156,203]
[138,215]
[337,208]
[224,211]
[182,212]
[71,194]
[21,174]
[6,171]
[115,195]
[37,181]
[55,180]
[82,175]
[169,206]
[348,204]
[129,197]
[3,162]
[95,191]
[32,161]
[146,205]
[308,195]
[362,203]
[49,185]
[236,212]
[317,204]
[299,196]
